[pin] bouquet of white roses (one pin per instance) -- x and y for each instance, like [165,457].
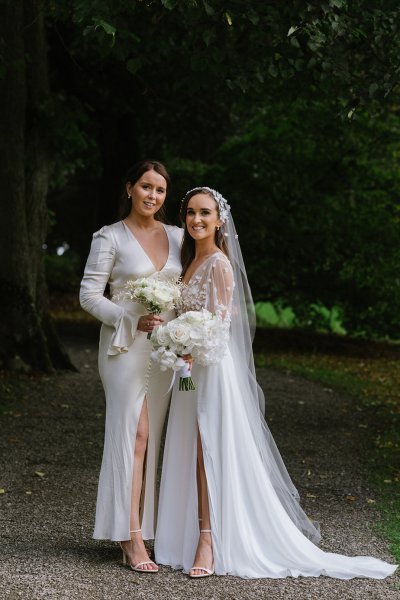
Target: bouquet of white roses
[154,294]
[201,334]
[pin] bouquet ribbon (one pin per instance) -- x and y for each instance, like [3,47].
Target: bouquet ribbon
[185,379]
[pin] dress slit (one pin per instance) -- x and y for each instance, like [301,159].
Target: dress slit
[143,488]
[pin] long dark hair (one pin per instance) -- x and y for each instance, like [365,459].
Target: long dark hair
[188,248]
[132,176]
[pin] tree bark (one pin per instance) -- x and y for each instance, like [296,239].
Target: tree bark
[25,326]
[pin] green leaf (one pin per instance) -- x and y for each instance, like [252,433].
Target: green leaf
[373,88]
[208,8]
[107,27]
[169,4]
[253,17]
[292,30]
[272,70]
[228,18]
[259,76]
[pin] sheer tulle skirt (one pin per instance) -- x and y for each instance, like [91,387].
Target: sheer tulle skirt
[253,535]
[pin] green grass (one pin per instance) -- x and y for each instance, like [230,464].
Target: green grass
[376,383]
[336,379]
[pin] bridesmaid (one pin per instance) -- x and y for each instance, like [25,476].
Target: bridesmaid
[140,245]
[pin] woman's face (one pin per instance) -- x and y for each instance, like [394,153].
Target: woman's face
[202,217]
[148,193]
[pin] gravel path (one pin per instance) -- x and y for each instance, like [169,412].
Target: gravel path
[51,446]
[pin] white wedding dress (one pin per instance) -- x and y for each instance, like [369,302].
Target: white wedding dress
[256,521]
[127,373]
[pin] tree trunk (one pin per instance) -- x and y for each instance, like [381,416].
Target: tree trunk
[24,173]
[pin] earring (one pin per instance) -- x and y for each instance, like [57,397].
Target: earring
[217,227]
[129,197]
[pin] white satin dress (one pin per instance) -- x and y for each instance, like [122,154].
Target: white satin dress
[127,373]
[253,535]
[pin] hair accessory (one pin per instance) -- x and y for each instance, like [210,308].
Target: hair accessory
[223,206]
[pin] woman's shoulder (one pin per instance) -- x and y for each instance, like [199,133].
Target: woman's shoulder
[108,231]
[175,231]
[219,258]
[218,263]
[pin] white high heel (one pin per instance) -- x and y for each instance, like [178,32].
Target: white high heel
[208,572]
[125,560]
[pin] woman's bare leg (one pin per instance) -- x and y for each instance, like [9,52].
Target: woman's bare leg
[136,549]
[204,555]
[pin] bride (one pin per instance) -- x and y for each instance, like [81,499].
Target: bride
[227,503]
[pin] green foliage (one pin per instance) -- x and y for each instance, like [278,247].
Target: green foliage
[72,141]
[245,97]
[350,49]
[316,205]
[315,317]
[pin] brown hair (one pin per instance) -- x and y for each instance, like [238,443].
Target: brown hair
[132,176]
[188,243]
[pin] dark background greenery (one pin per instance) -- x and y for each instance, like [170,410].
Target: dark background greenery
[289,109]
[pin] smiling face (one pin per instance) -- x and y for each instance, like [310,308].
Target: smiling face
[148,193]
[202,217]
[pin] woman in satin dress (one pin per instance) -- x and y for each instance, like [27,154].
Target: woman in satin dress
[227,503]
[136,391]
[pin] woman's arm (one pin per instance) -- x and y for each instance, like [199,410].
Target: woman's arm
[98,269]
[96,275]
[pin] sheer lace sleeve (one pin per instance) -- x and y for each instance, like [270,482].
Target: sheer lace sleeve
[219,286]
[98,269]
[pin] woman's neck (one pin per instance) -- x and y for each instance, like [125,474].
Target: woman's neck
[204,248]
[140,221]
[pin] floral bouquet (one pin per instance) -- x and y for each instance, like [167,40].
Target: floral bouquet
[201,334]
[155,295]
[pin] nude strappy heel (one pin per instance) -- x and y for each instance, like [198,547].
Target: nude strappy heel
[208,572]
[125,560]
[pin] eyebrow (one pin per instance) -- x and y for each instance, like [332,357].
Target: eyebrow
[148,183]
[201,208]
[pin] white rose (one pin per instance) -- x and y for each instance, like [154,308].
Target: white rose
[196,334]
[178,332]
[192,317]
[162,296]
[147,293]
[160,336]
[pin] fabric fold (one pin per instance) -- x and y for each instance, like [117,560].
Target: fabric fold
[124,334]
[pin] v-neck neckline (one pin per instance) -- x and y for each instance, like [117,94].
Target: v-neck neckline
[201,264]
[144,251]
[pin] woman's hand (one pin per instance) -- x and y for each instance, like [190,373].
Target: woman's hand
[189,359]
[148,322]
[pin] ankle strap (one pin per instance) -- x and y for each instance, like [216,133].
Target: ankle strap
[205,530]
[135,530]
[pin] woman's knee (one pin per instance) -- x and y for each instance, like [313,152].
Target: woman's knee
[142,436]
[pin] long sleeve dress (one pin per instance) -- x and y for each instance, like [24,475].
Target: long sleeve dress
[254,532]
[127,373]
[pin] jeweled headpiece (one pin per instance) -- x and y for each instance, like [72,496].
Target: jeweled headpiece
[223,206]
